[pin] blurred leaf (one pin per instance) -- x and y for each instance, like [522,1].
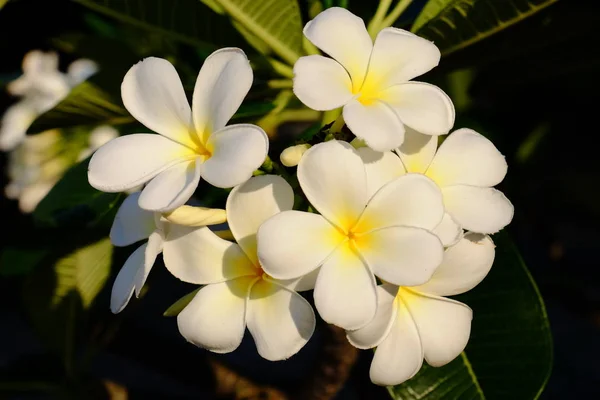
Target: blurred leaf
[85,105]
[73,203]
[509,355]
[2,3]
[18,261]
[276,23]
[256,109]
[180,304]
[456,24]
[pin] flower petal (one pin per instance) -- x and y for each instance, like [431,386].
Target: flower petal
[131,223]
[129,161]
[410,200]
[223,82]
[333,178]
[14,124]
[417,150]
[321,83]
[444,325]
[401,255]
[196,216]
[171,188]
[153,248]
[294,243]
[376,123]
[280,321]
[448,231]
[237,151]
[215,318]
[467,158]
[252,203]
[197,255]
[80,70]
[400,355]
[483,210]
[344,37]
[421,106]
[377,330]
[305,282]
[345,293]
[399,56]
[153,93]
[381,167]
[464,266]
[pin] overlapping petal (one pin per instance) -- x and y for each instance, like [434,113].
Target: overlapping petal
[153,249]
[124,285]
[376,123]
[376,331]
[417,150]
[381,167]
[448,231]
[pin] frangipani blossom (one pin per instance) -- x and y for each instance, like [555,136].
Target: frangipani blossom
[371,80]
[131,225]
[191,142]
[416,323]
[465,167]
[238,293]
[356,236]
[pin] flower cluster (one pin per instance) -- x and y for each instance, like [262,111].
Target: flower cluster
[392,228]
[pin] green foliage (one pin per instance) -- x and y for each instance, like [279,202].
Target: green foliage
[18,261]
[180,304]
[456,24]
[3,3]
[509,355]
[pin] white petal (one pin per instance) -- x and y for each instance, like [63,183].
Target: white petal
[280,321]
[222,84]
[131,223]
[483,210]
[237,151]
[465,265]
[399,56]
[377,330]
[197,255]
[444,325]
[171,188]
[36,61]
[129,161]
[14,124]
[376,123]
[401,255]
[410,200]
[421,106]
[345,293]
[343,36]
[321,83]
[333,178]
[381,168]
[80,70]
[417,150]
[467,158]
[152,92]
[196,216]
[305,282]
[153,248]
[215,318]
[448,231]
[294,243]
[400,356]
[252,203]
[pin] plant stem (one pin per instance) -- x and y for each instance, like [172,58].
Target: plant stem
[375,23]
[337,125]
[308,47]
[281,68]
[395,14]
[280,83]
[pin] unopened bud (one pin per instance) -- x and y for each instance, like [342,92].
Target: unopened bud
[291,156]
[196,216]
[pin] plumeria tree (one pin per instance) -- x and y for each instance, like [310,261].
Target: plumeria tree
[304,177]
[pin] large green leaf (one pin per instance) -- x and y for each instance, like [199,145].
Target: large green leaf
[274,23]
[509,355]
[455,24]
[2,3]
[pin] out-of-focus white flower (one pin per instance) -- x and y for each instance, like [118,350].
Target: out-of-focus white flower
[416,323]
[191,142]
[41,87]
[372,81]
[291,156]
[99,136]
[356,236]
[238,293]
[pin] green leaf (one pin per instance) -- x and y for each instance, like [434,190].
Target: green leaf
[456,24]
[276,23]
[19,261]
[180,304]
[86,105]
[187,21]
[3,3]
[509,355]
[73,203]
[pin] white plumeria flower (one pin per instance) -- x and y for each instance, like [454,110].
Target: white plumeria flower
[371,81]
[355,236]
[238,293]
[99,136]
[465,167]
[413,323]
[192,143]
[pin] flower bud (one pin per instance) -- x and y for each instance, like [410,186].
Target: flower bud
[291,156]
[196,216]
